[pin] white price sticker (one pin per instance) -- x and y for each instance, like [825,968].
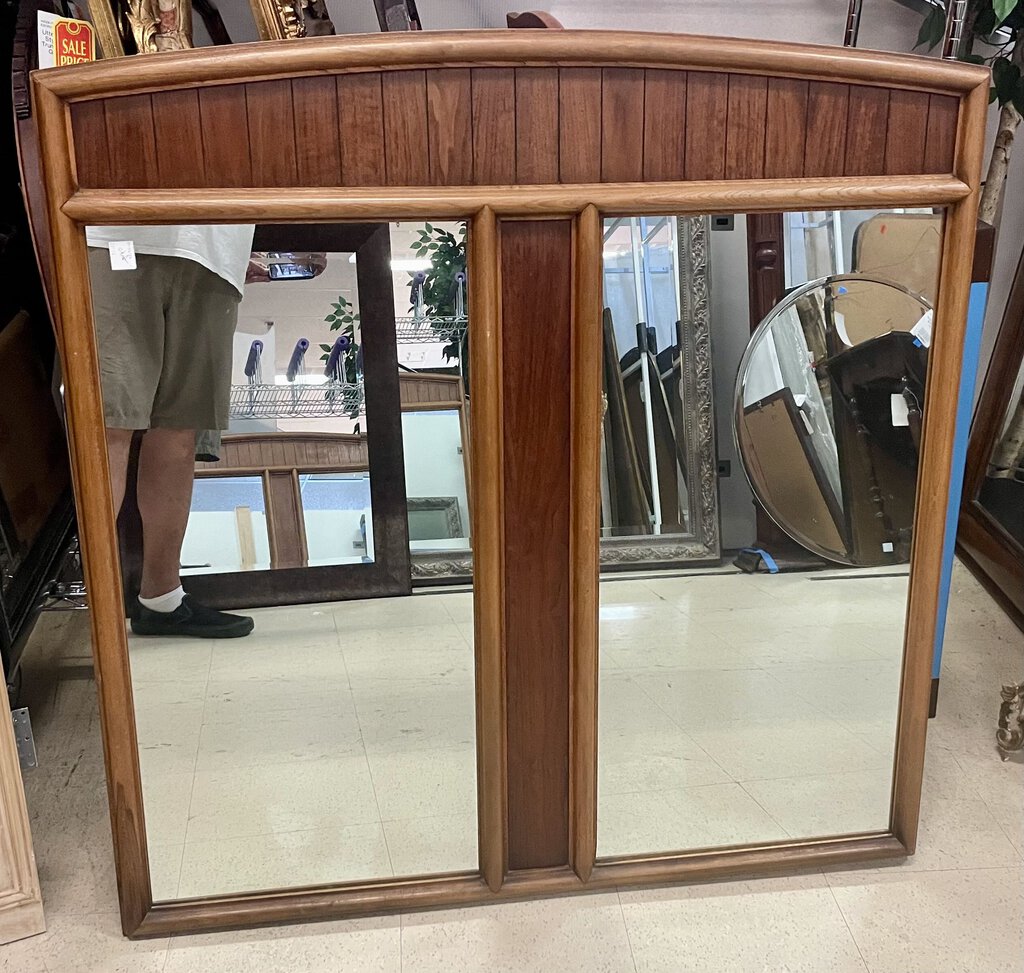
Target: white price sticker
[900,409]
[923,329]
[122,255]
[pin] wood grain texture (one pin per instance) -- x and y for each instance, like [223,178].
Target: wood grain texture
[907,132]
[361,124]
[179,139]
[622,125]
[536,126]
[941,137]
[745,134]
[317,138]
[579,125]
[286,526]
[131,141]
[935,466]
[494,126]
[271,133]
[868,124]
[536,302]
[669,198]
[584,541]
[92,155]
[828,106]
[664,125]
[405,128]
[487,514]
[786,129]
[450,126]
[707,109]
[225,128]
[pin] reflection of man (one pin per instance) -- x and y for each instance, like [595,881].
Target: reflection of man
[164,331]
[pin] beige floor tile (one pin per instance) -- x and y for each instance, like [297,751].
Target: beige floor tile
[715,698]
[759,749]
[962,921]
[243,660]
[460,606]
[828,804]
[581,933]
[248,738]
[790,924]
[83,944]
[166,799]
[354,618]
[712,816]
[424,783]
[627,591]
[406,655]
[169,660]
[421,846]
[292,623]
[165,870]
[432,714]
[359,945]
[299,796]
[652,760]
[714,593]
[168,736]
[303,691]
[284,860]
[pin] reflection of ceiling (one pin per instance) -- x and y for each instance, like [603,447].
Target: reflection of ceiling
[885,26]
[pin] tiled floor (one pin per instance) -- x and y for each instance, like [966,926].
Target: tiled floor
[956,906]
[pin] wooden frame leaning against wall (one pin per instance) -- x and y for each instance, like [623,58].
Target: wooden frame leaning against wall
[534,138]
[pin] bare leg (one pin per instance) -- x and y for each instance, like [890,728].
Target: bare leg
[166,471]
[119,444]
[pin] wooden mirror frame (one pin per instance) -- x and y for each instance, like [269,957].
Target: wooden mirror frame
[533,137]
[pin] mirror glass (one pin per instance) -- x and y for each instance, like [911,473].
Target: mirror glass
[288,423]
[1002,490]
[754,699]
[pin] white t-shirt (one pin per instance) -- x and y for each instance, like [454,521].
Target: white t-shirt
[223,249]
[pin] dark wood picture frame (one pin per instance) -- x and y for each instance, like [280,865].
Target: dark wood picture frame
[501,116]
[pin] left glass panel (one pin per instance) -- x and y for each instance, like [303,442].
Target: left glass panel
[305,711]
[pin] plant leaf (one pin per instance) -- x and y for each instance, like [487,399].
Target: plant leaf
[933,27]
[1002,9]
[1005,78]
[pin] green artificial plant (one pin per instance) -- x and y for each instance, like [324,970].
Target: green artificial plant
[341,318]
[446,252]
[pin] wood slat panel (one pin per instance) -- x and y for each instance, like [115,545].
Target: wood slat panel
[908,126]
[828,107]
[579,124]
[92,157]
[450,126]
[361,124]
[745,134]
[785,129]
[536,300]
[132,141]
[405,128]
[622,125]
[536,126]
[284,512]
[268,105]
[317,140]
[494,126]
[941,137]
[664,125]
[707,109]
[868,124]
[222,110]
[179,139]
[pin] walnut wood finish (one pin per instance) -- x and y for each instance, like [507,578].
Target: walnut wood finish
[532,250]
[572,125]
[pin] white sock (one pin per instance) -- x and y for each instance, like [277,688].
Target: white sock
[164,603]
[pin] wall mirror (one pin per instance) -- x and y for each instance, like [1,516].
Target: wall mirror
[441,745]
[337,742]
[741,708]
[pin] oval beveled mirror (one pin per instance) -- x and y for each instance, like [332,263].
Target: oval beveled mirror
[828,416]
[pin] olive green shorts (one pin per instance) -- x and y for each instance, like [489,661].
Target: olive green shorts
[164,333]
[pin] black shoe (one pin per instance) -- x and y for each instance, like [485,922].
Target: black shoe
[190,619]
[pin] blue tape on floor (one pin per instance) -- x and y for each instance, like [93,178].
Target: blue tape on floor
[769,561]
[965,408]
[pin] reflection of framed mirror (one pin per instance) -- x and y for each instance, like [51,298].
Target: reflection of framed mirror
[990,539]
[659,476]
[512,145]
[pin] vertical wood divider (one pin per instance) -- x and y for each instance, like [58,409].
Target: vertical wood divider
[488,528]
[96,521]
[944,373]
[584,539]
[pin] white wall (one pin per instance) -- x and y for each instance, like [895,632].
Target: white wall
[434,466]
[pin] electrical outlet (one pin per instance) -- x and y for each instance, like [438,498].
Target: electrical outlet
[723,222]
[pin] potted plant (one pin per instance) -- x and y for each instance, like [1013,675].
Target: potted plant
[446,252]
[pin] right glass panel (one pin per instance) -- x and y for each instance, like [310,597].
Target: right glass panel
[755,700]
